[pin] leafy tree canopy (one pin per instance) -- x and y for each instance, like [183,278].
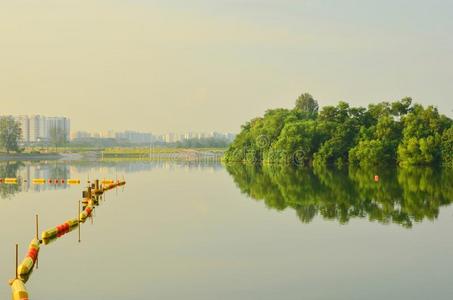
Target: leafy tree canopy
[10,134]
[398,132]
[306,105]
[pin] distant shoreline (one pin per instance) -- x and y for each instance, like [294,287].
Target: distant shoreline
[168,154]
[30,156]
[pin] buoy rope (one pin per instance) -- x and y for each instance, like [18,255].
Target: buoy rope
[25,268]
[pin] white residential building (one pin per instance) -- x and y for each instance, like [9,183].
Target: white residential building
[37,128]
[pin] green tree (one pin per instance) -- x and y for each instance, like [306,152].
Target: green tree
[10,134]
[447,147]
[257,136]
[368,152]
[342,128]
[402,107]
[58,136]
[307,105]
[421,136]
[378,143]
[296,143]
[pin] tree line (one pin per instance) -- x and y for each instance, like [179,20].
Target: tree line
[399,132]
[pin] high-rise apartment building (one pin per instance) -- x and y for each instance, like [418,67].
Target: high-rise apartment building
[36,128]
[25,127]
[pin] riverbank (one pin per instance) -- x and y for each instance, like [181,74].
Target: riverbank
[30,156]
[177,154]
[168,154]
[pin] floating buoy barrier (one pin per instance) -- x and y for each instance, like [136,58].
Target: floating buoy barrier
[27,264]
[50,181]
[38,181]
[91,199]
[113,185]
[98,192]
[19,290]
[41,181]
[59,230]
[86,212]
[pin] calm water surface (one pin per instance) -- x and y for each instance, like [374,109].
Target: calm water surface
[205,231]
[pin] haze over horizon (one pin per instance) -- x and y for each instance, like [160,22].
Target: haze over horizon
[171,66]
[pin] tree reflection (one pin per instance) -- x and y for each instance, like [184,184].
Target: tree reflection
[9,170]
[401,196]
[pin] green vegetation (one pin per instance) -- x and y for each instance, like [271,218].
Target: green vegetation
[402,196]
[446,147]
[97,143]
[157,153]
[101,143]
[10,134]
[58,137]
[210,142]
[385,133]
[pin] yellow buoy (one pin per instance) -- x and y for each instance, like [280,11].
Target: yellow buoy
[49,233]
[19,290]
[28,262]
[83,216]
[25,266]
[38,181]
[10,180]
[73,181]
[72,222]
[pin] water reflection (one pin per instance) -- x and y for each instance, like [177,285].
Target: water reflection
[132,166]
[26,171]
[9,170]
[402,196]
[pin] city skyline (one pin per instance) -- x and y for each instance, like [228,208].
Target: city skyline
[37,128]
[147,137]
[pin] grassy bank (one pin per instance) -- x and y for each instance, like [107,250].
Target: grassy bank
[29,156]
[129,153]
[164,153]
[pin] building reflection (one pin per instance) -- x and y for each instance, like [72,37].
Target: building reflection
[25,172]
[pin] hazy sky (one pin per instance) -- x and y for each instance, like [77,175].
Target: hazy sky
[203,65]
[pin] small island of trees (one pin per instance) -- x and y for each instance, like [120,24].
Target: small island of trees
[397,132]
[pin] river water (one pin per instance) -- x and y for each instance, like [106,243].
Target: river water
[206,231]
